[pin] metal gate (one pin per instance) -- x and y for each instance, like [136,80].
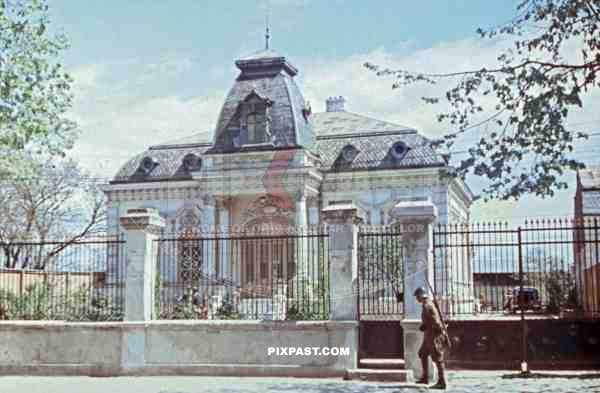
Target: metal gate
[380,292]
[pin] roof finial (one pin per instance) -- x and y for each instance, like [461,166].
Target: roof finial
[267,31]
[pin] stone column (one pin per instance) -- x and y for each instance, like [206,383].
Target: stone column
[342,223]
[224,230]
[220,250]
[415,219]
[143,227]
[302,257]
[312,204]
[210,217]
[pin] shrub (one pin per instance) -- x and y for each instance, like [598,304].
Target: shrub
[559,287]
[303,312]
[227,310]
[40,302]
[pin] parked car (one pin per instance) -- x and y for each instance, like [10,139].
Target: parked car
[530,298]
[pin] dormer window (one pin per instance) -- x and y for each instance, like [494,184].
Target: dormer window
[256,126]
[399,150]
[349,153]
[146,166]
[191,163]
[346,157]
[253,120]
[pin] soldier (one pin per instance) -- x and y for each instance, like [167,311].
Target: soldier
[434,341]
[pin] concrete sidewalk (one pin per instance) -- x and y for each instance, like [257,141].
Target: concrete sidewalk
[460,381]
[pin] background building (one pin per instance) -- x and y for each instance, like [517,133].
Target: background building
[587,240]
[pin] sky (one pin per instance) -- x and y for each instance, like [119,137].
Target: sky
[147,72]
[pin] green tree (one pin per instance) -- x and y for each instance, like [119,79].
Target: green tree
[35,90]
[525,98]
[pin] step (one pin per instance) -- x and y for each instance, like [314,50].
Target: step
[382,363]
[377,375]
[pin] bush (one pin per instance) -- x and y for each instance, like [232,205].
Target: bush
[227,310]
[181,310]
[33,304]
[309,306]
[299,313]
[560,287]
[39,302]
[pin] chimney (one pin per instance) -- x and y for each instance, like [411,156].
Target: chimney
[335,104]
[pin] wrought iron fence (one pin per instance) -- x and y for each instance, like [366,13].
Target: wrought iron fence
[546,267]
[380,273]
[81,280]
[242,277]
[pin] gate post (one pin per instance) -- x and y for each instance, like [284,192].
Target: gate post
[142,226]
[342,224]
[415,219]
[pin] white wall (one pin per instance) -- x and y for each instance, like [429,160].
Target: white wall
[235,348]
[375,192]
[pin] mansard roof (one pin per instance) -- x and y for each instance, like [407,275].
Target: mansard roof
[372,138]
[169,160]
[344,123]
[271,77]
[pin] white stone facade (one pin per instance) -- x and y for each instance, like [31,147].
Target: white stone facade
[302,163]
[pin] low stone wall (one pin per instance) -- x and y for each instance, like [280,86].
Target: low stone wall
[226,348]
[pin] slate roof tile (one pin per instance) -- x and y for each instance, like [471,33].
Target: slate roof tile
[372,138]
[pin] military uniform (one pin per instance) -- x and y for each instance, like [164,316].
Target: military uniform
[434,340]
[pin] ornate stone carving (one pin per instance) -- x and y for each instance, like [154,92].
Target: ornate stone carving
[263,207]
[155,192]
[186,219]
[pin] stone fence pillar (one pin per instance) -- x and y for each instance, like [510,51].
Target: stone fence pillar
[342,222]
[415,219]
[143,227]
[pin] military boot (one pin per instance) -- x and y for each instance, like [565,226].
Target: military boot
[425,376]
[441,383]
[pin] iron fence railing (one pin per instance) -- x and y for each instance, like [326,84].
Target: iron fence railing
[242,277]
[380,273]
[546,267]
[81,280]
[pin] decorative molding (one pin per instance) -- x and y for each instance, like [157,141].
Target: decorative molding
[186,219]
[360,183]
[153,192]
[223,202]
[264,207]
